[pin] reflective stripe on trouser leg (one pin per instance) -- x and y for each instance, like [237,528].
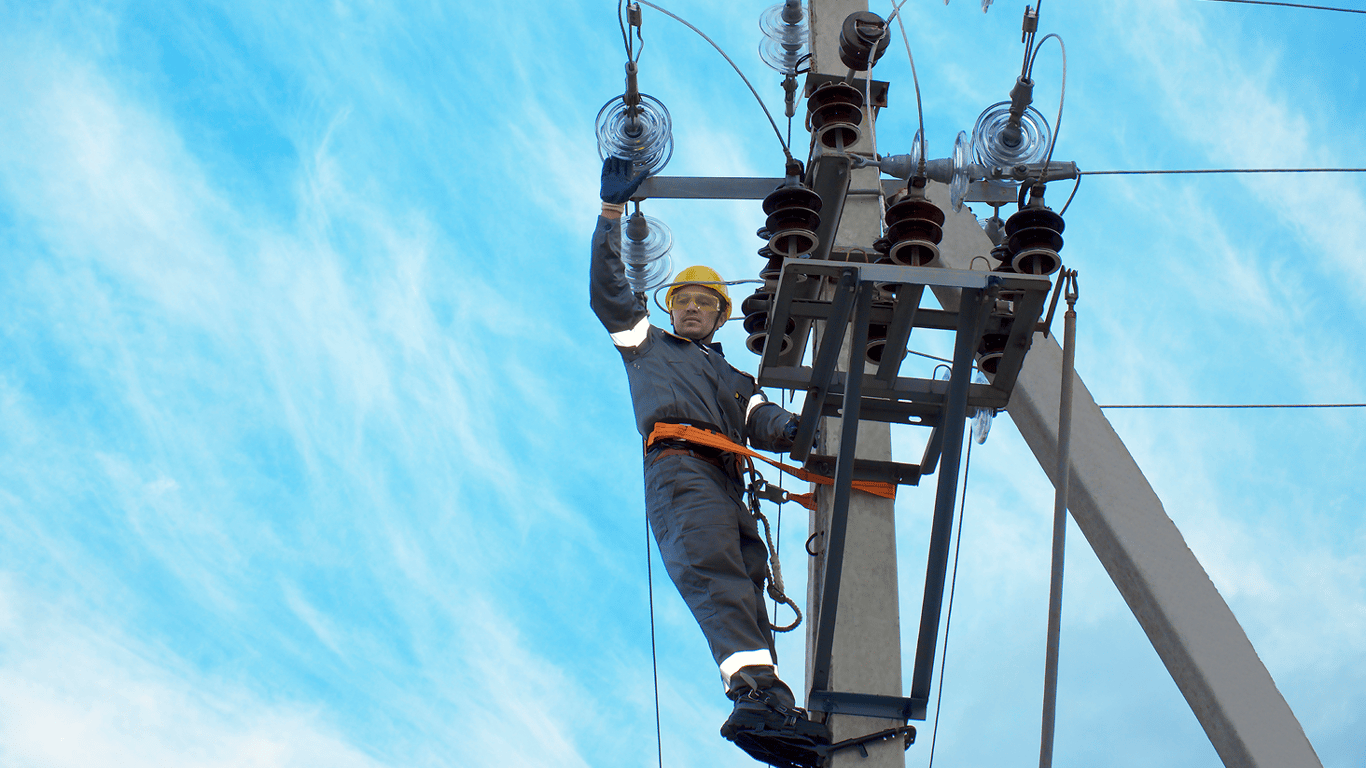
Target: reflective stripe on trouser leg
[732,664]
[711,547]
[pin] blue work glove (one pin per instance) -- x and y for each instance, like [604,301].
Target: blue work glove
[618,185]
[790,431]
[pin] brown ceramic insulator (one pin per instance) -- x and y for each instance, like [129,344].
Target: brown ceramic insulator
[1034,237]
[914,208]
[756,343]
[863,38]
[835,112]
[877,344]
[793,217]
[756,303]
[792,243]
[795,196]
[774,267]
[914,229]
[990,351]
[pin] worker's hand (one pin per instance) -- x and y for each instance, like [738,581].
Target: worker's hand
[618,185]
[790,431]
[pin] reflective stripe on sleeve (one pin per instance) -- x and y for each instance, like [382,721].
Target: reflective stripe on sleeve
[633,337]
[754,402]
[732,663]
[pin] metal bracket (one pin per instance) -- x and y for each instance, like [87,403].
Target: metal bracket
[887,396]
[867,705]
[865,469]
[879,89]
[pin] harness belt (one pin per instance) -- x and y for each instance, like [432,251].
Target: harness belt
[731,468]
[709,439]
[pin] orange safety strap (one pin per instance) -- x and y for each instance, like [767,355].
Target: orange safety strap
[709,439]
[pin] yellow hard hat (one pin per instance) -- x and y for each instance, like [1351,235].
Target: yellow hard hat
[706,277]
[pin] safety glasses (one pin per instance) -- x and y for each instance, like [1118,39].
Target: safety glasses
[704,301]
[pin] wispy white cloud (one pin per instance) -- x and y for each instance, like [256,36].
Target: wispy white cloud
[82,695]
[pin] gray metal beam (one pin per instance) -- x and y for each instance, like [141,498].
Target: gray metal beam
[758,187]
[971,319]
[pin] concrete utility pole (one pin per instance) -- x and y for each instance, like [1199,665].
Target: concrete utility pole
[866,652]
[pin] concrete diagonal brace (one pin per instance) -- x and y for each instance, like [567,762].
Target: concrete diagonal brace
[1193,630]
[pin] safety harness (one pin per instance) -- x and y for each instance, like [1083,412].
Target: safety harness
[758,488]
[709,439]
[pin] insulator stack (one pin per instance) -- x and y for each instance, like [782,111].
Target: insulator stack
[793,216]
[641,133]
[786,37]
[774,267]
[835,112]
[1034,237]
[962,159]
[863,38]
[990,351]
[914,228]
[996,145]
[644,247]
[756,308]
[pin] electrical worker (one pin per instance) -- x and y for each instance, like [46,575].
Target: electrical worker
[708,539]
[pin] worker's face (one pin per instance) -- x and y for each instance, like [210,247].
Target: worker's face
[696,312]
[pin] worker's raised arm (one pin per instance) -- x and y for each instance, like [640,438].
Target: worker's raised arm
[623,312]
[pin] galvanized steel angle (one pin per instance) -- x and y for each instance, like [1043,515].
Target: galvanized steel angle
[899,330]
[827,356]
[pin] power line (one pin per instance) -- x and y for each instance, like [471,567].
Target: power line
[1227,170]
[1253,405]
[1291,5]
[654,658]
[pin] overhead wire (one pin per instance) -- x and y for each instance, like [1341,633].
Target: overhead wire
[776,131]
[1028,41]
[915,79]
[1057,126]
[654,659]
[1242,405]
[1291,5]
[625,34]
[1221,170]
[953,584]
[1075,187]
[929,357]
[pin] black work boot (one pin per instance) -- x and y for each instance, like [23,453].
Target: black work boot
[767,723]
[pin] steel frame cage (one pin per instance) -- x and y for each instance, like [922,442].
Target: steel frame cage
[885,396]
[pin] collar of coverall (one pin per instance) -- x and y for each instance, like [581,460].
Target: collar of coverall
[714,346]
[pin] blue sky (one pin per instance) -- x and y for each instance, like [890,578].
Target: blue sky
[314,455]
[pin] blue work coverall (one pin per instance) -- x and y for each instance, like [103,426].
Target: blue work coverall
[708,539]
